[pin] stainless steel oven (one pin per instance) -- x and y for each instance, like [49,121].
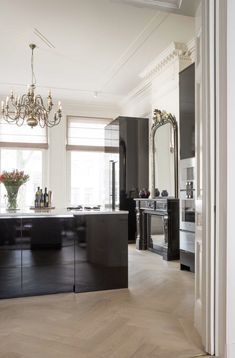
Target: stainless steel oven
[187,194]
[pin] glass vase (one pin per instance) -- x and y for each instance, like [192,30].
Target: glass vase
[12,193]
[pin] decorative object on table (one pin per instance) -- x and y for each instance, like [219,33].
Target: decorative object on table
[42,200]
[144,193]
[12,182]
[30,106]
[156,193]
[164,193]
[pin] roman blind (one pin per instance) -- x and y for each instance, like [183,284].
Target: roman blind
[22,137]
[86,133]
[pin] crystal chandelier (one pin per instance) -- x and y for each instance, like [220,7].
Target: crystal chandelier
[30,107]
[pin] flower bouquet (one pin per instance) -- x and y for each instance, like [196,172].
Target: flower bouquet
[12,182]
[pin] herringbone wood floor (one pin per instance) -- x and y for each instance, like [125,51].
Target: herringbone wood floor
[153,318]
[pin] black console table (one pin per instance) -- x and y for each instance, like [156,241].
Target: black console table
[158,226]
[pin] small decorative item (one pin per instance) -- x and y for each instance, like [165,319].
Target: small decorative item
[12,182]
[156,192]
[141,194]
[164,193]
[144,193]
[147,193]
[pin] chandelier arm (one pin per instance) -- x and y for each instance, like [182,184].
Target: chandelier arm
[39,102]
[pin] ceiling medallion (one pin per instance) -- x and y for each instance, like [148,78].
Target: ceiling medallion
[30,107]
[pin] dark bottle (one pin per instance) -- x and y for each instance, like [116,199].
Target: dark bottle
[37,198]
[41,199]
[46,199]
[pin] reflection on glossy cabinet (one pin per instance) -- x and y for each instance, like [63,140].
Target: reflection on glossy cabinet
[101,252]
[43,255]
[10,258]
[47,256]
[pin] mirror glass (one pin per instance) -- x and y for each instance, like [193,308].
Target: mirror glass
[164,159]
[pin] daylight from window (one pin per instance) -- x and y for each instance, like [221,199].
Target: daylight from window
[22,159]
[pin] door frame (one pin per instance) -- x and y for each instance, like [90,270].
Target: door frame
[206,177]
[225,176]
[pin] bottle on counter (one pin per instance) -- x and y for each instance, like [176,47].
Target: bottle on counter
[49,198]
[37,198]
[41,199]
[46,199]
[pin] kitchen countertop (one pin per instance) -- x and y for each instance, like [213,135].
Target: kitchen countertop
[58,213]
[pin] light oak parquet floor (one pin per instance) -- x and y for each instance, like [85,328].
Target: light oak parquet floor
[151,319]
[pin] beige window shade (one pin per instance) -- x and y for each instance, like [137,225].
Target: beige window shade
[22,137]
[86,133]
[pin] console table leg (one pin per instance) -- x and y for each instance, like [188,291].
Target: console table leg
[141,240]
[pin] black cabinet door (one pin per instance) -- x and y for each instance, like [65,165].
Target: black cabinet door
[47,255]
[101,252]
[10,258]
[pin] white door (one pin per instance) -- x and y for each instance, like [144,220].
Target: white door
[204,241]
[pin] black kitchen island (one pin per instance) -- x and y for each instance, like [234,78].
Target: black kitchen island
[44,253]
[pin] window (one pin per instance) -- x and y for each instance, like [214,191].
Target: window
[31,162]
[22,148]
[85,144]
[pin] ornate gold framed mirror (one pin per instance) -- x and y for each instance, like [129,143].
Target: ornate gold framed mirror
[164,153]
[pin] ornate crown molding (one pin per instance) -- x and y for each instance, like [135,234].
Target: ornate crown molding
[176,51]
[172,5]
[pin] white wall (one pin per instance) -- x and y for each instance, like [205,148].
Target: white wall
[58,163]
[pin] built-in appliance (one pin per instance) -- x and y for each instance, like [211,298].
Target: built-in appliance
[187,213]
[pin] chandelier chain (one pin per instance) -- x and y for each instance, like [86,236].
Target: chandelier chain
[32,69]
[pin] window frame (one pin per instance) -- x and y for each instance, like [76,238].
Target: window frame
[79,148]
[34,148]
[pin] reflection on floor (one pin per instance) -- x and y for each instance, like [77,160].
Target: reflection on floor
[154,318]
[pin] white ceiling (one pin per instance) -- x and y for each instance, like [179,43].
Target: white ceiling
[99,45]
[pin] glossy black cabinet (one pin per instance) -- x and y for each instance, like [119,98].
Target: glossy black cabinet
[187,112]
[10,258]
[44,255]
[47,255]
[127,145]
[101,252]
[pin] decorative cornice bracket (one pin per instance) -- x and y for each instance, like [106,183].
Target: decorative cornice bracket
[176,51]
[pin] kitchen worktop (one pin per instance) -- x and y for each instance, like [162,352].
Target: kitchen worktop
[57,213]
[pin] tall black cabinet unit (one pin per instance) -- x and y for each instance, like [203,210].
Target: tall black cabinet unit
[187,168]
[127,165]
